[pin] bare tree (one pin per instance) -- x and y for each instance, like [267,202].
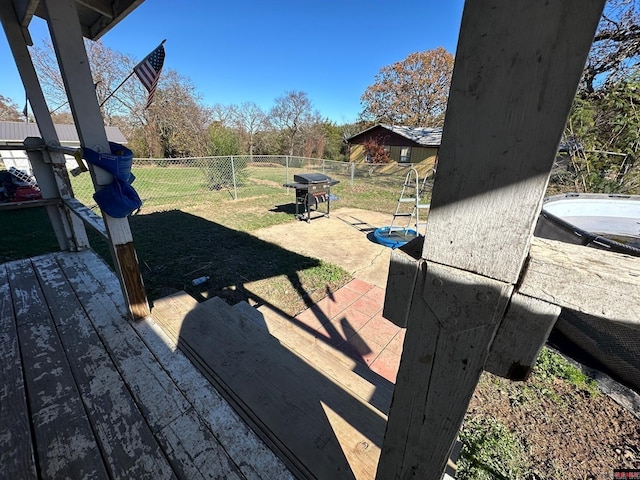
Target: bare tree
[290,115]
[412,92]
[224,115]
[108,68]
[616,46]
[9,110]
[176,121]
[249,118]
[314,137]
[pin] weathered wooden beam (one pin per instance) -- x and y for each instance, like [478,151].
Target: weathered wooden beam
[118,11]
[19,146]
[87,216]
[453,318]
[403,271]
[588,280]
[517,66]
[29,204]
[512,88]
[17,459]
[53,179]
[523,332]
[103,7]
[25,10]
[68,43]
[519,339]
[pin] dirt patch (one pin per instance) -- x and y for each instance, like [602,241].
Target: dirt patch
[565,432]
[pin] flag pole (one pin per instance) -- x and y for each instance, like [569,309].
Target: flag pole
[25,112]
[129,76]
[116,89]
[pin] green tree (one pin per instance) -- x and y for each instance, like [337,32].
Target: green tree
[412,92]
[221,173]
[604,131]
[604,127]
[335,146]
[222,140]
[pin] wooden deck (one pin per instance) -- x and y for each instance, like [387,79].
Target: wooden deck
[308,384]
[323,412]
[86,394]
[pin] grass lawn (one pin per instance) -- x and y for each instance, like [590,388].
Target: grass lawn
[26,233]
[186,230]
[202,238]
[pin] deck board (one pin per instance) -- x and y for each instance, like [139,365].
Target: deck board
[160,401]
[238,439]
[17,458]
[164,402]
[96,402]
[113,411]
[65,442]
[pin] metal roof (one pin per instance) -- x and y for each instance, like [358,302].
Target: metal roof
[67,134]
[96,17]
[426,136]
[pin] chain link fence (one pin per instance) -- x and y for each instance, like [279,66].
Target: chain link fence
[178,182]
[168,180]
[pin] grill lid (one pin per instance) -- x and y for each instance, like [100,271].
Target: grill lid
[311,178]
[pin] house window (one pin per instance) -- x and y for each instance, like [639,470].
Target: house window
[405,154]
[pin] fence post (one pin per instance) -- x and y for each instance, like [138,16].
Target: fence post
[323,164]
[233,174]
[353,172]
[286,169]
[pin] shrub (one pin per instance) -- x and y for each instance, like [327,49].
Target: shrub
[219,172]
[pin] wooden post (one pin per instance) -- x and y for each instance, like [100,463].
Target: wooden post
[50,172]
[517,66]
[513,354]
[66,35]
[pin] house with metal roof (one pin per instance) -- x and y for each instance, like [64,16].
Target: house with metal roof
[17,132]
[404,145]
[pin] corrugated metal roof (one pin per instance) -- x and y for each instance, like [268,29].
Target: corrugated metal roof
[426,136]
[429,137]
[67,134]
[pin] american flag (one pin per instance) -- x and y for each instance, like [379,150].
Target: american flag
[148,71]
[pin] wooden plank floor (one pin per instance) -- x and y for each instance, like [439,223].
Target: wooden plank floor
[325,420]
[83,395]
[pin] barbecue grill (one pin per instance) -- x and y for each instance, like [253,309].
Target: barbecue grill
[312,189]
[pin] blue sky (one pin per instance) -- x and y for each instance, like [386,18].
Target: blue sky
[256,50]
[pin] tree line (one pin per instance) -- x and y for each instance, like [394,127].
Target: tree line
[601,138]
[179,124]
